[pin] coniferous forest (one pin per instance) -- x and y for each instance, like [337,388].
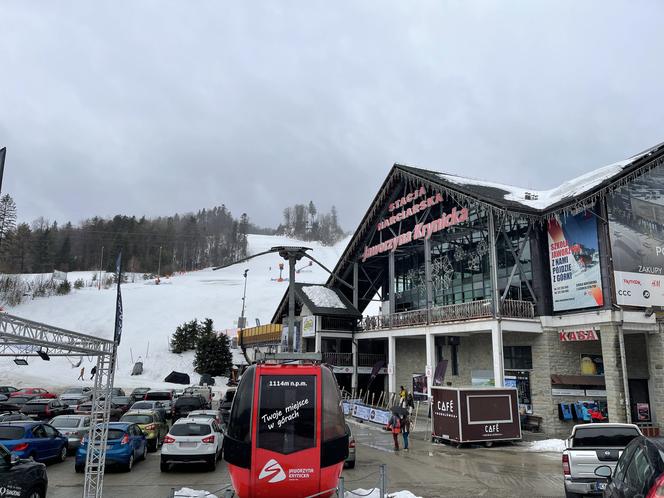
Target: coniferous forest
[181,242]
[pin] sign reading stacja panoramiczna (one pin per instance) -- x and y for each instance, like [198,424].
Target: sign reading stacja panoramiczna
[576,278]
[636,228]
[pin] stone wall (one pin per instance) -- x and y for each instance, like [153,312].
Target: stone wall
[409,359]
[656,366]
[636,353]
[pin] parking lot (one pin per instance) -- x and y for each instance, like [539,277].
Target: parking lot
[427,470]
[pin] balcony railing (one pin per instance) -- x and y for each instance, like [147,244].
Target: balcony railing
[370,359]
[338,359]
[449,313]
[337,323]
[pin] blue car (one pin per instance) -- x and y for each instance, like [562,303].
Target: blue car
[126,445]
[35,440]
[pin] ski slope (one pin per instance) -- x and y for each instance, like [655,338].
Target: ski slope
[152,312]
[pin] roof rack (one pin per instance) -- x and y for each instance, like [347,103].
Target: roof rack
[284,357]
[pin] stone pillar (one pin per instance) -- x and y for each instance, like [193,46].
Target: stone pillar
[318,341]
[497,353]
[391,367]
[613,372]
[656,382]
[431,360]
[544,345]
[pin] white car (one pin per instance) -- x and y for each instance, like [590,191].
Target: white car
[192,440]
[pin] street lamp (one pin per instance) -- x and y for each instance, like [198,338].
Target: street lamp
[241,323]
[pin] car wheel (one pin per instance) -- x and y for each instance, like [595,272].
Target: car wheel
[63,453]
[569,494]
[212,463]
[164,467]
[145,450]
[36,493]
[152,445]
[130,464]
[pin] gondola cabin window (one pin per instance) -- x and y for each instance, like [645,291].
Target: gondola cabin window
[287,413]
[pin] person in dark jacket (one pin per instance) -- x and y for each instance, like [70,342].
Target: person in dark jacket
[405,431]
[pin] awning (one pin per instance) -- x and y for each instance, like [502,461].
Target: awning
[577,380]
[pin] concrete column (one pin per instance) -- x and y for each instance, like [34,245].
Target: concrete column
[613,373]
[497,353]
[656,382]
[431,360]
[318,341]
[391,367]
[353,380]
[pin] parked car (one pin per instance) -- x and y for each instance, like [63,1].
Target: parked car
[36,391]
[138,394]
[13,417]
[126,445]
[117,391]
[122,402]
[42,409]
[226,403]
[204,391]
[76,395]
[151,423]
[7,390]
[151,405]
[350,460]
[34,440]
[185,404]
[8,407]
[22,400]
[192,441]
[639,471]
[209,414]
[86,409]
[589,447]
[74,427]
[20,477]
[165,396]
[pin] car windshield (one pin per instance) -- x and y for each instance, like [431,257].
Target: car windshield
[143,405]
[121,400]
[206,416]
[74,390]
[598,436]
[190,429]
[8,433]
[140,390]
[61,422]
[137,419]
[158,396]
[186,402]
[115,434]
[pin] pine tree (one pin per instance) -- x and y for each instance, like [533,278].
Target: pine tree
[213,354]
[179,340]
[7,217]
[185,337]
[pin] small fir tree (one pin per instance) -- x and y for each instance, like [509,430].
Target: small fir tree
[213,354]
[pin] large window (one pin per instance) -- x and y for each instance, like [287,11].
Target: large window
[287,413]
[518,357]
[239,424]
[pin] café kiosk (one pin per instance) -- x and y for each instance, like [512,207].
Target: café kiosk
[475,415]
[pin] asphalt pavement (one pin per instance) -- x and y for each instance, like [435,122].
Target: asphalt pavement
[426,470]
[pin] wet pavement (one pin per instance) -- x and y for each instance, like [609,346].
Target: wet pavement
[433,470]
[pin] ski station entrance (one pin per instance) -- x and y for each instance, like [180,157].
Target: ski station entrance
[20,338]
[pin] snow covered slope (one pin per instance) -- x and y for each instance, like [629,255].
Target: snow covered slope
[152,312]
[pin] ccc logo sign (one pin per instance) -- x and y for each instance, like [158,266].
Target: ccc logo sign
[622,292]
[646,294]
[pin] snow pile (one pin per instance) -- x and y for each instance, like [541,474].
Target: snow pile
[323,297]
[543,199]
[152,312]
[193,493]
[375,493]
[547,445]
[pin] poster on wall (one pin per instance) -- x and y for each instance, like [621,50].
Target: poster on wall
[576,278]
[419,387]
[636,231]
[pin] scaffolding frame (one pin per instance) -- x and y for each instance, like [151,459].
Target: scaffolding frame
[20,337]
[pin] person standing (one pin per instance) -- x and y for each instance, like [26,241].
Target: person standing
[93,373]
[394,424]
[80,376]
[402,397]
[405,431]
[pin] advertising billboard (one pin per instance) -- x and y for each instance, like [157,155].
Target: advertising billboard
[576,277]
[636,230]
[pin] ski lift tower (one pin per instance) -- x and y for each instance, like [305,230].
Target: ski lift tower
[23,339]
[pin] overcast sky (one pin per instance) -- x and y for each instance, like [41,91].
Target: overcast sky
[161,107]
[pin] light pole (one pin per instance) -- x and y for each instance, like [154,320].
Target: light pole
[241,322]
[3,153]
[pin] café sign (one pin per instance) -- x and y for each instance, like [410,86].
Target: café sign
[578,335]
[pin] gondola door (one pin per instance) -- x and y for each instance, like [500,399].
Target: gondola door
[286,460]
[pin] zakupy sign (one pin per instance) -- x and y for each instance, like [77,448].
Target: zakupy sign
[636,229]
[576,277]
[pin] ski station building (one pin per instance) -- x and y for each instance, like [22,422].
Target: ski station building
[557,293]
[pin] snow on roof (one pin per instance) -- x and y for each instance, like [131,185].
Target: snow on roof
[543,199]
[323,297]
